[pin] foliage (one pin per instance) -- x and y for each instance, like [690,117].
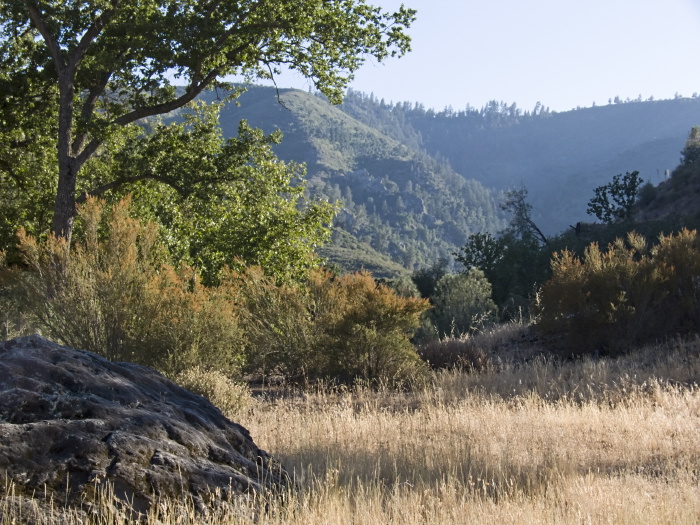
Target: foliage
[515,268]
[403,286]
[427,279]
[691,151]
[336,327]
[116,295]
[462,304]
[482,251]
[404,204]
[455,352]
[367,327]
[646,195]
[614,201]
[629,294]
[350,255]
[216,199]
[227,202]
[559,156]
[521,224]
[278,324]
[94,71]
[230,397]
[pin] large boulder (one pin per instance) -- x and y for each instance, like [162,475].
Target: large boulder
[70,421]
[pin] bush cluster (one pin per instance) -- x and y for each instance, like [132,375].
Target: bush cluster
[114,292]
[629,294]
[334,327]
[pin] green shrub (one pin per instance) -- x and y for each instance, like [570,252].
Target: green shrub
[277,322]
[462,304]
[113,293]
[629,294]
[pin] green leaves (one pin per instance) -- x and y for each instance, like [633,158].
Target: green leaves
[224,203]
[107,65]
[615,200]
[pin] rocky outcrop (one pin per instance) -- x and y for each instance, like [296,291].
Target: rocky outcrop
[70,421]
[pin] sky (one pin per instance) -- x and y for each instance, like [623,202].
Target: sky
[561,53]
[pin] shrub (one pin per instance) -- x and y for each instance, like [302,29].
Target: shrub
[277,322]
[514,266]
[463,304]
[113,293]
[647,194]
[624,296]
[365,328]
[462,353]
[229,396]
[342,328]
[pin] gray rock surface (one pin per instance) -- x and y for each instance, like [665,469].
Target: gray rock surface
[70,421]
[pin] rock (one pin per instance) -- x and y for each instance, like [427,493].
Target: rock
[70,421]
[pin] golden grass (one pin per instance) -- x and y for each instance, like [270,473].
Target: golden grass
[609,441]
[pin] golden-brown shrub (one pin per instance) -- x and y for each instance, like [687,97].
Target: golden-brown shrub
[229,396]
[333,327]
[113,293]
[624,296]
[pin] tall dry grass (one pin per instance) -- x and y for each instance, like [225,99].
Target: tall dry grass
[539,441]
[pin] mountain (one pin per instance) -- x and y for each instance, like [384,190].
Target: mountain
[560,157]
[413,183]
[395,200]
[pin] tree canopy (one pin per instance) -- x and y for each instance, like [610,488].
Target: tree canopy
[85,73]
[615,201]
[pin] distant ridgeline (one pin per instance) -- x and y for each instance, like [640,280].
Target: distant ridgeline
[414,183]
[559,157]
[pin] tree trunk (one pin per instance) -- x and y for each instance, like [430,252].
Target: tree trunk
[64,206]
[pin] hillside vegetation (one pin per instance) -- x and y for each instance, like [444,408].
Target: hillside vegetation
[559,157]
[414,184]
[396,199]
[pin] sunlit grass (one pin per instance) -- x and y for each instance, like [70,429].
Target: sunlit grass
[607,441]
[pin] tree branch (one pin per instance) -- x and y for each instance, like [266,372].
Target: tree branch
[121,182]
[49,38]
[541,235]
[90,35]
[88,109]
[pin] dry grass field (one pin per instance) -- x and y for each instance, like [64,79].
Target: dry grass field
[528,441]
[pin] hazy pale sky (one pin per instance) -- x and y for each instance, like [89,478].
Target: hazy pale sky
[561,53]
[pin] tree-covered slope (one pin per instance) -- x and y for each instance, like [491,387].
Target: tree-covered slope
[559,157]
[401,202]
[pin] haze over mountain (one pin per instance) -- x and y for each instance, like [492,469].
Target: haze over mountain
[415,183]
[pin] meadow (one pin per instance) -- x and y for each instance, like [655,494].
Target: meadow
[526,440]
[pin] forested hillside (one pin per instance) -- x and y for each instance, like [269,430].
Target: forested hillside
[413,183]
[559,157]
[394,199]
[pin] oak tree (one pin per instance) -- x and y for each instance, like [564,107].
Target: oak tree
[92,69]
